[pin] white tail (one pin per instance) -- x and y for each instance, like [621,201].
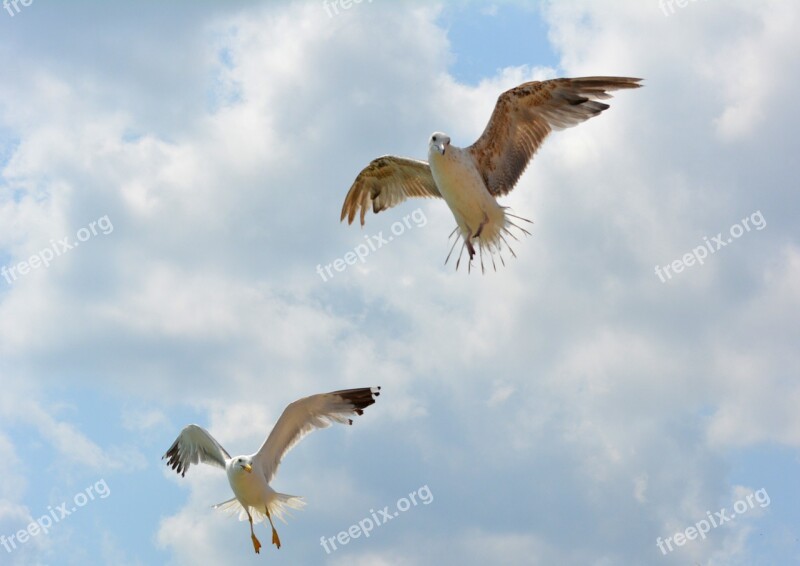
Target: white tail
[279,507]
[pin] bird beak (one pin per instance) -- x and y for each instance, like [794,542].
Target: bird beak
[248,468]
[440,146]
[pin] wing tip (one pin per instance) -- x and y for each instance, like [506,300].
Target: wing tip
[360,398]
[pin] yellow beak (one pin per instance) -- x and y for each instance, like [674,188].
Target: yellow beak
[248,468]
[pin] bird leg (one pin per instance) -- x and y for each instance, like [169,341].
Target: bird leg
[275,538]
[476,235]
[470,249]
[482,224]
[256,542]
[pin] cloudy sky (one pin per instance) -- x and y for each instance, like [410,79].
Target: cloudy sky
[171,176]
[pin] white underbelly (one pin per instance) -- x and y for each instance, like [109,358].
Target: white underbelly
[473,207]
[252,490]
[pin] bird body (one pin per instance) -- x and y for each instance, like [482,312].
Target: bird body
[250,488]
[478,215]
[252,492]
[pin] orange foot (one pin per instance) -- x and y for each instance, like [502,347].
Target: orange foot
[256,544]
[275,539]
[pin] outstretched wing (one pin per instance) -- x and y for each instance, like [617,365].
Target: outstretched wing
[386,182]
[194,445]
[525,115]
[307,414]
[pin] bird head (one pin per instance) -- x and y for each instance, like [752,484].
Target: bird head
[439,142]
[243,463]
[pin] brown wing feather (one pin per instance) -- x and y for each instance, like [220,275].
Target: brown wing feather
[386,182]
[525,115]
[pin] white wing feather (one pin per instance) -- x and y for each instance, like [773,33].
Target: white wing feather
[307,414]
[194,445]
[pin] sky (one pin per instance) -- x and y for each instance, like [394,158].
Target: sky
[625,391]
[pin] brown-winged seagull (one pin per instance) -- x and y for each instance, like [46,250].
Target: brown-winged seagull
[470,179]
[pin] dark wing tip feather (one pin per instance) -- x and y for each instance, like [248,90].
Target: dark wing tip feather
[607,82]
[174,461]
[360,398]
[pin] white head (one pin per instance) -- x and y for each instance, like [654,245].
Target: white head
[439,143]
[240,464]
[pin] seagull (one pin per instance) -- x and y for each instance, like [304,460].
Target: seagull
[470,179]
[251,475]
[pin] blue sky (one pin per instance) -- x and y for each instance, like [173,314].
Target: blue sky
[570,408]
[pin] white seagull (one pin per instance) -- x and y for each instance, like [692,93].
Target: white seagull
[470,179]
[251,475]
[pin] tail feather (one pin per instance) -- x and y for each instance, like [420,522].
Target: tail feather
[492,239]
[278,507]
